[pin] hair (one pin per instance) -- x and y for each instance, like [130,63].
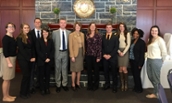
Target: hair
[150,35]
[37,19]
[47,30]
[22,35]
[89,31]
[6,26]
[125,31]
[109,23]
[62,19]
[140,32]
[74,26]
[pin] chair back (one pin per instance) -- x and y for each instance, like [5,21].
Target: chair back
[161,94]
[169,78]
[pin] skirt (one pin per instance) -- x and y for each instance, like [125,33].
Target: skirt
[124,60]
[77,66]
[8,73]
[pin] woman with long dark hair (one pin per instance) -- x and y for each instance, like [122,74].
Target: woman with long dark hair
[93,56]
[123,58]
[9,61]
[137,52]
[45,52]
[25,57]
[156,53]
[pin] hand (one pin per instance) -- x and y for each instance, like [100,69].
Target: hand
[97,60]
[108,57]
[73,59]
[105,56]
[10,65]
[140,67]
[32,59]
[121,54]
[47,60]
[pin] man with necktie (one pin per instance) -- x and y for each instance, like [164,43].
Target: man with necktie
[35,34]
[60,38]
[110,45]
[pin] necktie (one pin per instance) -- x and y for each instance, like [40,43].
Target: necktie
[108,36]
[63,41]
[38,35]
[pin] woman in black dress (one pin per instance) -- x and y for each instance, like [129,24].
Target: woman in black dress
[25,57]
[137,52]
[45,52]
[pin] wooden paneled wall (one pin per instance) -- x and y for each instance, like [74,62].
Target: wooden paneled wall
[154,12]
[16,11]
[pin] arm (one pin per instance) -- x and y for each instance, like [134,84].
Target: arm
[22,49]
[70,46]
[39,50]
[163,48]
[142,53]
[99,47]
[128,43]
[115,49]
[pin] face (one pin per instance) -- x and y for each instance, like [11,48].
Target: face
[121,28]
[26,29]
[62,24]
[154,32]
[10,28]
[45,34]
[109,28]
[37,23]
[92,27]
[136,35]
[77,27]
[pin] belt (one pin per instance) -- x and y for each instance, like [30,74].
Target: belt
[62,50]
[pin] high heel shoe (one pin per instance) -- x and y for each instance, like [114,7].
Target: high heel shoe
[78,86]
[73,88]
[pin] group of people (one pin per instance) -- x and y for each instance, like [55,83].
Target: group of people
[38,49]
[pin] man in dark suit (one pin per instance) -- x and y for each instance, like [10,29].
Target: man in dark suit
[35,34]
[110,45]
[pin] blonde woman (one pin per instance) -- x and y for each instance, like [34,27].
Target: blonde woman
[77,52]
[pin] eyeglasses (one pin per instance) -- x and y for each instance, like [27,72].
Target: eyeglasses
[10,26]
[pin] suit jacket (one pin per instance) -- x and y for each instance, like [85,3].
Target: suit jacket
[57,40]
[25,51]
[44,51]
[139,51]
[110,46]
[73,44]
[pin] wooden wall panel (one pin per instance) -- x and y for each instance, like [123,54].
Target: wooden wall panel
[145,3]
[10,3]
[164,3]
[144,22]
[164,20]
[28,3]
[28,17]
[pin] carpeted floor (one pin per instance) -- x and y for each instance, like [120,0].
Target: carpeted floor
[83,96]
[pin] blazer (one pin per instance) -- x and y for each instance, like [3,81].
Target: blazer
[139,51]
[25,51]
[73,44]
[44,51]
[57,40]
[110,46]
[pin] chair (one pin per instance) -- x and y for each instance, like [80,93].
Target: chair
[169,78]
[161,94]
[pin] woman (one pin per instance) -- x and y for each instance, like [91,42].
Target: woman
[93,56]
[9,61]
[25,57]
[137,52]
[123,59]
[156,53]
[45,51]
[77,52]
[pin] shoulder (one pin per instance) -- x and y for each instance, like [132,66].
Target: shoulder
[161,40]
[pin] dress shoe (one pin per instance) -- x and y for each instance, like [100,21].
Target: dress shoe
[95,88]
[73,88]
[106,87]
[42,92]
[78,86]
[58,89]
[65,88]
[138,91]
[23,96]
[114,90]
[8,100]
[89,88]
[47,91]
[32,91]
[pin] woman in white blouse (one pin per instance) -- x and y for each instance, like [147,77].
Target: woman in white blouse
[156,52]
[123,58]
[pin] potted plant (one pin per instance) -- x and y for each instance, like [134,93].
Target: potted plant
[112,10]
[56,11]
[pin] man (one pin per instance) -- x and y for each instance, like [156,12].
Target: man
[110,46]
[60,38]
[35,34]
